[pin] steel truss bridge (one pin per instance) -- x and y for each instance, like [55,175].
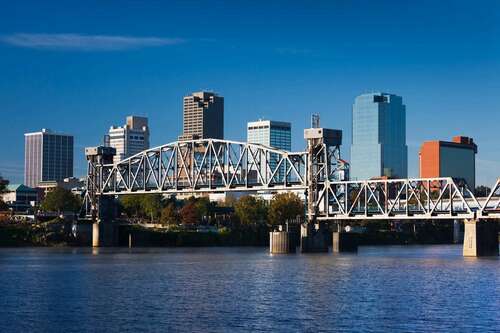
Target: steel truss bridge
[210,165]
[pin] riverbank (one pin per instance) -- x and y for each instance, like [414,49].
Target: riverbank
[52,233]
[64,233]
[242,236]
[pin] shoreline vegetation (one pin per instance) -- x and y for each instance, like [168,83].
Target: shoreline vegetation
[58,232]
[153,220]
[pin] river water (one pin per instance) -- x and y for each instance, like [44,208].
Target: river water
[380,289]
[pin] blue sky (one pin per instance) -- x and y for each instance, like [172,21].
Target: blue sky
[80,66]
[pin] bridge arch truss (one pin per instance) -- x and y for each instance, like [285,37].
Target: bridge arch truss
[204,166]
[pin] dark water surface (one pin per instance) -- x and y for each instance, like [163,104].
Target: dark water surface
[381,289]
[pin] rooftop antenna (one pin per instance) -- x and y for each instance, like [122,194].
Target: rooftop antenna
[315,120]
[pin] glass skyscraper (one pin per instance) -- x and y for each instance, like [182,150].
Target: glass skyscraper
[270,133]
[379,137]
[48,156]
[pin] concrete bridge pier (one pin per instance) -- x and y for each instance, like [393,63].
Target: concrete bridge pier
[104,233]
[95,234]
[313,238]
[480,238]
[282,242]
[344,242]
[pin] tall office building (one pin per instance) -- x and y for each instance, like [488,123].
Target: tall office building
[455,159]
[379,137]
[129,139]
[203,116]
[48,156]
[270,133]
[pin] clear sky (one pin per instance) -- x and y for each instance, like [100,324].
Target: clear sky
[79,67]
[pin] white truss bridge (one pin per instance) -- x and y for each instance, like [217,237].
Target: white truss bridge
[210,165]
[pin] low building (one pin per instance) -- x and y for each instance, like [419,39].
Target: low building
[20,197]
[73,184]
[455,159]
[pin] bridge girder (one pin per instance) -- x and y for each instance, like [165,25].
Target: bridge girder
[204,166]
[211,165]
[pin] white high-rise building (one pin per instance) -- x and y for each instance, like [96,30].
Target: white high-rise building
[271,133]
[48,156]
[129,139]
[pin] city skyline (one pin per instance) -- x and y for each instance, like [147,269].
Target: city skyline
[107,70]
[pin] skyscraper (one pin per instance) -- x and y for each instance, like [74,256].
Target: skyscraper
[379,137]
[129,139]
[203,116]
[271,133]
[48,156]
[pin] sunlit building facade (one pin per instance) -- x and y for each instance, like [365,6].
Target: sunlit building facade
[48,156]
[129,139]
[203,116]
[456,159]
[277,134]
[379,137]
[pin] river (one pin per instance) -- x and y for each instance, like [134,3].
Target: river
[379,289]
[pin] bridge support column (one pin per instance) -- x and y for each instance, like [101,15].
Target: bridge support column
[95,234]
[282,242]
[104,232]
[480,238]
[345,242]
[313,238]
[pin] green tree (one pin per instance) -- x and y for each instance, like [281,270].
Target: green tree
[169,214]
[3,205]
[3,189]
[482,191]
[61,200]
[230,200]
[152,205]
[132,205]
[189,213]
[251,210]
[204,208]
[3,184]
[285,206]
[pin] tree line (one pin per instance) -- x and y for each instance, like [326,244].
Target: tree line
[246,210]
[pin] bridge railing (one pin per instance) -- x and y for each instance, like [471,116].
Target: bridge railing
[203,166]
[491,205]
[211,165]
[397,199]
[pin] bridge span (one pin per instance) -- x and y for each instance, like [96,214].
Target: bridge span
[212,165]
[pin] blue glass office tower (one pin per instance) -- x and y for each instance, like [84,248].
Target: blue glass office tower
[378,137]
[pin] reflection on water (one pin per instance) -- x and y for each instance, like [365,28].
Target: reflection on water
[413,288]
